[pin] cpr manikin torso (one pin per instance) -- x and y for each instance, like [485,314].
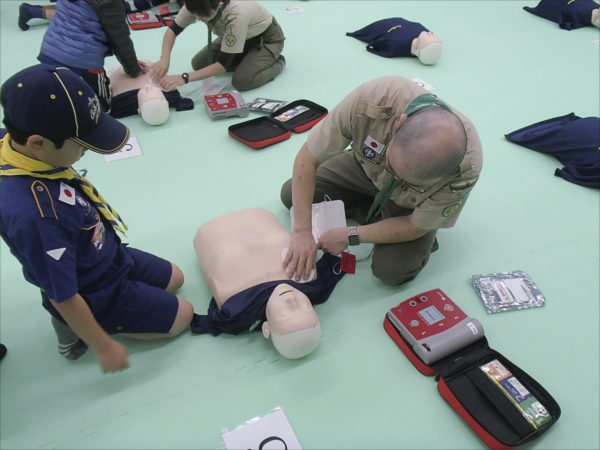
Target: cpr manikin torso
[427,47]
[153,106]
[243,249]
[292,323]
[240,250]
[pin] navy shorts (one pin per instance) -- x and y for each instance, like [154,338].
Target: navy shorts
[134,300]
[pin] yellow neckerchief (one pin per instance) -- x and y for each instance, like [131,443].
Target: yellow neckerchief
[13,163]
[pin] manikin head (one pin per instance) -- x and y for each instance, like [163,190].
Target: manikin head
[153,106]
[292,323]
[427,47]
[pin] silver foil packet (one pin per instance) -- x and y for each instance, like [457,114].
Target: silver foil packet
[506,291]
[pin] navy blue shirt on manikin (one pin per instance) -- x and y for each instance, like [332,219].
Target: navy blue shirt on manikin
[568,14]
[574,141]
[389,37]
[244,309]
[126,103]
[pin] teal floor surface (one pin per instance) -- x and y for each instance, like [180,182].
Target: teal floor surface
[504,69]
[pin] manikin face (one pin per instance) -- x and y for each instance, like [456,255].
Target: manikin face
[292,323]
[428,48]
[153,105]
[289,310]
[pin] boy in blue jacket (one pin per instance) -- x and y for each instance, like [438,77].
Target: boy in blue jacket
[63,232]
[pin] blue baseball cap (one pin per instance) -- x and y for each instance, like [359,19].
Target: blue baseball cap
[57,104]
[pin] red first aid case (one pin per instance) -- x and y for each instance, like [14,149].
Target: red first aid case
[142,20]
[295,117]
[483,404]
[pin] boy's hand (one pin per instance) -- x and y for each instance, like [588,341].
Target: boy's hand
[113,357]
[145,67]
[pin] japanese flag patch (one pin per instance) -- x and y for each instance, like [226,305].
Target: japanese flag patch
[67,194]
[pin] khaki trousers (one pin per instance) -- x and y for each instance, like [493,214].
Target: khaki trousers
[342,178]
[256,65]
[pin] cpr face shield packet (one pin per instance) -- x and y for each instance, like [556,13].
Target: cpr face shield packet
[506,291]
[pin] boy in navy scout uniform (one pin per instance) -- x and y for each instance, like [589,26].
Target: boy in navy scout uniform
[249,44]
[62,230]
[412,163]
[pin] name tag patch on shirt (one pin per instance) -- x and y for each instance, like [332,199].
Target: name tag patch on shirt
[67,194]
[98,238]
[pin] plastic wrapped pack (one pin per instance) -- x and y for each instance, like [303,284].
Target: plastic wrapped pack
[506,291]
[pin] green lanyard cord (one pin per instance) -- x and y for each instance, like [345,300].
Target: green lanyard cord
[381,200]
[210,24]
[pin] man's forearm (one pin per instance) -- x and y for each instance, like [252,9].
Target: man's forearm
[78,316]
[303,189]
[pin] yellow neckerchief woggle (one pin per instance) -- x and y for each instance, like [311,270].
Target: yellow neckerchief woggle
[13,163]
[210,24]
[419,103]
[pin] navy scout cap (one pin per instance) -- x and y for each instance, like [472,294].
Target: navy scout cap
[57,104]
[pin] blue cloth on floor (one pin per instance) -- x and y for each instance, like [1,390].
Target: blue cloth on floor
[242,310]
[126,104]
[389,37]
[568,14]
[574,141]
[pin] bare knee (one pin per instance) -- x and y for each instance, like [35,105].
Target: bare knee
[185,314]
[176,280]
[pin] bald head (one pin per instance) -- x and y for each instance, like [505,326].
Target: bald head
[429,145]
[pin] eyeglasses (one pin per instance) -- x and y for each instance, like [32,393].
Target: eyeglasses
[384,163]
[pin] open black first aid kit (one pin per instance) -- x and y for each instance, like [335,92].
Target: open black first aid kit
[501,403]
[295,117]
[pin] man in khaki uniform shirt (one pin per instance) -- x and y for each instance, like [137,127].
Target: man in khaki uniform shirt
[249,43]
[428,167]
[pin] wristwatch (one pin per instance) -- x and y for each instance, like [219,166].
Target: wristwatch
[353,237]
[186,78]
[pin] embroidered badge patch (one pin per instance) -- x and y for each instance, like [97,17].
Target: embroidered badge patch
[230,40]
[450,209]
[81,201]
[98,238]
[368,153]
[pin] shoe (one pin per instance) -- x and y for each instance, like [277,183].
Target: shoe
[28,12]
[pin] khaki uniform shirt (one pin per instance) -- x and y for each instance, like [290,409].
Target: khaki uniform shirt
[366,120]
[241,20]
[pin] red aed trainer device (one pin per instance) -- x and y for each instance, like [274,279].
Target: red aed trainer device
[222,106]
[434,326]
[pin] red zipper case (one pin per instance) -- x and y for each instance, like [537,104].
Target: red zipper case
[264,131]
[476,399]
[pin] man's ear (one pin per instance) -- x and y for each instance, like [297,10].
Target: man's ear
[402,119]
[265,330]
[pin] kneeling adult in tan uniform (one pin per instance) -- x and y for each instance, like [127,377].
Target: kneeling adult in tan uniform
[249,44]
[412,163]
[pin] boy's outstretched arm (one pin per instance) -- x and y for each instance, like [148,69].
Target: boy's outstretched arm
[111,355]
